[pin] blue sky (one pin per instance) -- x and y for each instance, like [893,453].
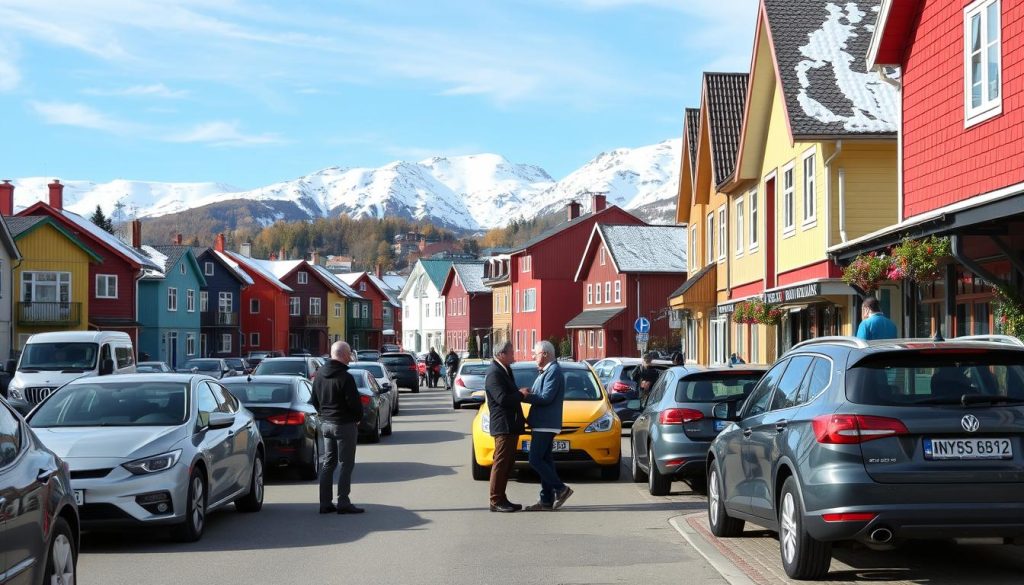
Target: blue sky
[249,93]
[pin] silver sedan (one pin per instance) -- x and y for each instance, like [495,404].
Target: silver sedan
[154,449]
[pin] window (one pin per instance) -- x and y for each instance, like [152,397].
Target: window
[787,198]
[438,308]
[362,287]
[518,294]
[106,286]
[709,240]
[757,402]
[719,341]
[190,301]
[755,349]
[590,294]
[225,302]
[788,393]
[337,310]
[723,234]
[190,344]
[817,379]
[529,300]
[597,295]
[583,339]
[303,277]
[426,311]
[618,291]
[204,301]
[294,306]
[181,268]
[600,339]
[526,263]
[208,268]
[172,299]
[46,287]
[692,252]
[752,197]
[254,339]
[314,305]
[602,256]
[533,339]
[590,339]
[982,61]
[739,227]
[607,292]
[741,346]
[124,356]
[355,311]
[518,345]
[810,194]
[225,343]
[254,306]
[10,436]
[366,310]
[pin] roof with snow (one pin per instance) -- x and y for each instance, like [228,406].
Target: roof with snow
[646,248]
[255,266]
[350,279]
[821,50]
[168,257]
[394,281]
[231,265]
[336,283]
[725,99]
[692,124]
[279,268]
[472,276]
[110,240]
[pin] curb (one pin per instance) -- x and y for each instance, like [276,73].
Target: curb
[729,570]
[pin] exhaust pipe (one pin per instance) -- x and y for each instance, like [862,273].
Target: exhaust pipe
[881,536]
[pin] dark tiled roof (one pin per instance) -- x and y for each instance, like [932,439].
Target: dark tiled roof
[593,318]
[692,126]
[726,96]
[692,281]
[562,227]
[173,253]
[20,225]
[821,50]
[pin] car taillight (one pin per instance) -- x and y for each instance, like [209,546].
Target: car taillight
[413,368]
[674,416]
[459,382]
[621,387]
[288,418]
[851,429]
[850,517]
[364,399]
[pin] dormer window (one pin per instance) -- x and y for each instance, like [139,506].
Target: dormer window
[303,277]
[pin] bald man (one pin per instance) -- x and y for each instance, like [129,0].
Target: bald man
[336,399]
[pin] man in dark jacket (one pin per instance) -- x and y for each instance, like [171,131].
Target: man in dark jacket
[645,375]
[451,367]
[433,363]
[504,403]
[336,400]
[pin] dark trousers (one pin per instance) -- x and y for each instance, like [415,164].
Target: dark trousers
[504,460]
[543,462]
[339,444]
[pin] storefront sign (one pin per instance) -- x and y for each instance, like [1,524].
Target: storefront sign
[793,294]
[726,309]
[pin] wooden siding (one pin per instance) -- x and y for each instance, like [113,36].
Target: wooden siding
[871,187]
[313,339]
[46,249]
[336,325]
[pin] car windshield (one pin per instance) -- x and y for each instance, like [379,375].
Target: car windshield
[58,356]
[120,404]
[271,367]
[377,371]
[474,369]
[627,371]
[146,369]
[939,376]
[716,386]
[260,392]
[234,362]
[580,384]
[203,365]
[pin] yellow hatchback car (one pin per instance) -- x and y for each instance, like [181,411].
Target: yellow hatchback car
[591,431]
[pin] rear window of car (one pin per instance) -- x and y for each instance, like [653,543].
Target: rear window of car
[716,387]
[257,393]
[269,367]
[474,369]
[939,376]
[377,371]
[397,360]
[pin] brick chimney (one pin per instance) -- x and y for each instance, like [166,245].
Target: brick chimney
[273,256]
[281,255]
[6,198]
[177,240]
[598,202]
[136,233]
[56,195]
[218,243]
[574,210]
[314,258]
[379,270]
[246,249]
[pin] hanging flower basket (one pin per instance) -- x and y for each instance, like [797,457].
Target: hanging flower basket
[741,314]
[868,271]
[763,313]
[919,260]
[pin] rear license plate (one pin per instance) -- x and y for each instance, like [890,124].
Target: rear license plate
[557,446]
[80,497]
[939,449]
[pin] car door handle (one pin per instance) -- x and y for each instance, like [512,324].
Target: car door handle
[781,425]
[46,473]
[747,432]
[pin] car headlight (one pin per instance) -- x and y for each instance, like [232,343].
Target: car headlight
[153,464]
[16,391]
[485,423]
[602,424]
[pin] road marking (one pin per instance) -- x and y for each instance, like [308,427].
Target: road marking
[733,574]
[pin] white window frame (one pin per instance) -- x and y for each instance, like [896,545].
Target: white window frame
[709,239]
[600,339]
[225,343]
[204,301]
[739,226]
[181,268]
[190,300]
[597,293]
[190,344]
[29,284]
[691,254]
[810,183]
[530,300]
[355,310]
[602,256]
[590,294]
[106,279]
[225,301]
[366,311]
[607,292]
[303,277]
[362,287]
[315,307]
[208,268]
[755,349]
[788,211]
[533,338]
[590,338]
[172,299]
[294,306]
[989,107]
[618,291]
[525,264]
[338,312]
[723,233]
[753,207]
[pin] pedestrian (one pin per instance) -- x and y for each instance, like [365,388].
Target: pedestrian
[875,324]
[678,359]
[545,420]
[451,367]
[645,375]
[433,362]
[504,403]
[735,359]
[337,402]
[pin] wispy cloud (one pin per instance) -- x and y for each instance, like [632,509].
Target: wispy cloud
[10,75]
[222,133]
[81,116]
[157,90]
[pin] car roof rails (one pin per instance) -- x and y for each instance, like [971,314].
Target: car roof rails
[836,339]
[1009,339]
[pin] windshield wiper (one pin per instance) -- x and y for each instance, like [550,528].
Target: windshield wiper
[72,370]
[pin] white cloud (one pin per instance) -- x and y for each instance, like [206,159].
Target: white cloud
[157,90]
[220,133]
[80,116]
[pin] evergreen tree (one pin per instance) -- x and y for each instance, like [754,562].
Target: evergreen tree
[102,221]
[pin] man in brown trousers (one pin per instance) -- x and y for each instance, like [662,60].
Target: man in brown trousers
[504,402]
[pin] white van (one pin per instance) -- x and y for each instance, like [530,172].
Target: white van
[50,360]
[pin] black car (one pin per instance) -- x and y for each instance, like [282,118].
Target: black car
[287,421]
[240,365]
[213,367]
[255,357]
[366,355]
[377,406]
[39,535]
[288,366]
[402,367]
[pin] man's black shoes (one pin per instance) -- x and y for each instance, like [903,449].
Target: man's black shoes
[350,509]
[505,507]
[328,509]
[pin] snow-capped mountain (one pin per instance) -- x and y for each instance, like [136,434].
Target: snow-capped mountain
[472,193]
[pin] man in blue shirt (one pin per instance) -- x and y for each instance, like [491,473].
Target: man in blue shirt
[875,325]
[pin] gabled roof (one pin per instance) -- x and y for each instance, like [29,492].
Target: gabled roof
[471,274]
[279,268]
[8,240]
[22,226]
[168,257]
[638,249]
[692,117]
[724,97]
[232,266]
[335,283]
[391,295]
[567,225]
[437,271]
[892,32]
[687,165]
[252,265]
[393,280]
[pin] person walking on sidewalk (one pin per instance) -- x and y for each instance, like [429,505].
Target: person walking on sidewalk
[336,400]
[545,420]
[504,402]
[875,324]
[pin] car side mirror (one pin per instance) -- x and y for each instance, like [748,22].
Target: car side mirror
[385,387]
[617,397]
[728,410]
[633,404]
[220,420]
[106,367]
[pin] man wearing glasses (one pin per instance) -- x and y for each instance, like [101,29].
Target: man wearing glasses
[505,405]
[545,419]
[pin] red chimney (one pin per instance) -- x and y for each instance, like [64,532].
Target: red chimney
[6,198]
[598,202]
[177,240]
[273,256]
[218,243]
[574,210]
[379,270]
[136,233]
[315,258]
[56,195]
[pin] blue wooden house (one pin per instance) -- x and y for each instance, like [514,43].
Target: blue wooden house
[169,306]
[220,302]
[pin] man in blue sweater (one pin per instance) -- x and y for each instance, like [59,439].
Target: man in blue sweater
[545,420]
[875,324]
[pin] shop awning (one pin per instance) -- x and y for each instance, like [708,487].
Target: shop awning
[699,291]
[593,318]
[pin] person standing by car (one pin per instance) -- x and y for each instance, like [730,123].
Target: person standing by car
[451,365]
[336,399]
[505,405]
[644,376]
[433,363]
[677,358]
[545,420]
[875,324]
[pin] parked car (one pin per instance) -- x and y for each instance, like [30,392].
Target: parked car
[39,537]
[675,427]
[293,366]
[468,380]
[288,423]
[377,406]
[240,365]
[390,348]
[616,374]
[152,368]
[367,355]
[877,442]
[383,377]
[403,369]
[213,367]
[154,449]
[255,357]
[591,432]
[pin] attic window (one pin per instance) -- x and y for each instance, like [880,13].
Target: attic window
[208,268]
[982,61]
[602,256]
[303,277]
[362,286]
[181,268]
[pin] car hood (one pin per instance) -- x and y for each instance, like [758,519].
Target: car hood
[122,443]
[579,412]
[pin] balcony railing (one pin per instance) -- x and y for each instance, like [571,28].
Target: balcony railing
[49,314]
[308,322]
[215,319]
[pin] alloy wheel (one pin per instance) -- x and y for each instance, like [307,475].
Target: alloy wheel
[713,497]
[787,528]
[198,504]
[63,559]
[258,478]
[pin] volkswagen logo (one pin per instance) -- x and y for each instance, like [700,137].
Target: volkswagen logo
[970,423]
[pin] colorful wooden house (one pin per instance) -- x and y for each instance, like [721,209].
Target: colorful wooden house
[423,313]
[265,319]
[307,304]
[220,302]
[339,297]
[467,309]
[169,306]
[498,278]
[9,257]
[385,308]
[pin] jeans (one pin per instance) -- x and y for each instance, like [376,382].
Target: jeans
[339,443]
[543,462]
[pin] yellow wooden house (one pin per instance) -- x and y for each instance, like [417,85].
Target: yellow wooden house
[498,278]
[51,283]
[338,294]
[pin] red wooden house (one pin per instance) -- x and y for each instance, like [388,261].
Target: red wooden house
[627,272]
[385,310]
[265,319]
[307,304]
[545,295]
[961,151]
[467,308]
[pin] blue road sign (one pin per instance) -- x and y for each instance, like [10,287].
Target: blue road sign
[642,325]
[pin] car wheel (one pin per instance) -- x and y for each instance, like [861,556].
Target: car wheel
[253,501]
[803,557]
[374,436]
[612,472]
[191,529]
[416,390]
[635,471]
[395,411]
[455,404]
[386,431]
[480,472]
[61,558]
[657,484]
[722,525]
[312,470]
